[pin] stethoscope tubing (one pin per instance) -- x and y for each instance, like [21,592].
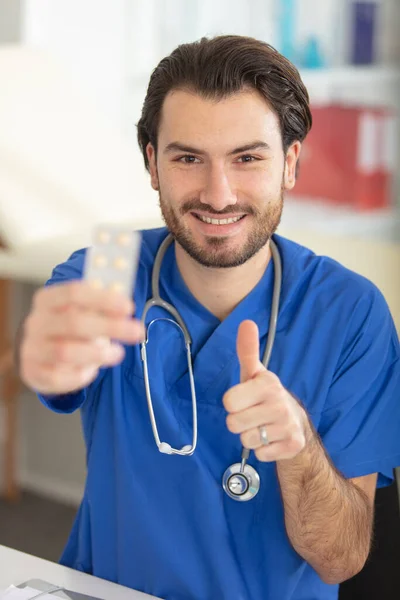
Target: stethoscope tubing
[239,475]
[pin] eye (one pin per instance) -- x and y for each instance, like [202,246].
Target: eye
[187,159]
[247,158]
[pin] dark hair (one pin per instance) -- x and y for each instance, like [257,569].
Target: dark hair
[218,67]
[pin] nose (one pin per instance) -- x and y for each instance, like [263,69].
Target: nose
[218,190]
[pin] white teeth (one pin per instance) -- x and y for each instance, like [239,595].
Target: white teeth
[219,221]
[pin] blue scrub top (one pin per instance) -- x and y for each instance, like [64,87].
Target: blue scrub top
[163,524]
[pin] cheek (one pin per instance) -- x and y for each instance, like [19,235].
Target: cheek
[169,186]
[263,186]
[180,184]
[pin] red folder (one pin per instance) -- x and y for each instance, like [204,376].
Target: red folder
[347,159]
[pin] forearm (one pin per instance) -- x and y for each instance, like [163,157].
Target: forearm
[328,518]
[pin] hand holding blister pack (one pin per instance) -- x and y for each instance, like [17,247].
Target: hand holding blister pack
[78,327]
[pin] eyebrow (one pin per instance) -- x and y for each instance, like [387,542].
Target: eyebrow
[178,147]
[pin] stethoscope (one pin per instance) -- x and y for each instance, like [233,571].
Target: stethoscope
[240,481]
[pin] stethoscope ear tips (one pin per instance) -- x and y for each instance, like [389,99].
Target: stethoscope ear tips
[165,448]
[186,448]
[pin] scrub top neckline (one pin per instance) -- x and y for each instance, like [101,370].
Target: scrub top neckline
[214,351]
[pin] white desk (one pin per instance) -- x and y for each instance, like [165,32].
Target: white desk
[17,567]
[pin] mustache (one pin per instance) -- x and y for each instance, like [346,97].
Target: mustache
[193,205]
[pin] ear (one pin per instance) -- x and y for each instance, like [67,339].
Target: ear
[151,157]
[292,156]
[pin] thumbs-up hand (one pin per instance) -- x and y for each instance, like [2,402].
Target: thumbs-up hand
[260,407]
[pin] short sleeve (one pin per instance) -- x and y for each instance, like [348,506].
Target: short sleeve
[70,270]
[360,424]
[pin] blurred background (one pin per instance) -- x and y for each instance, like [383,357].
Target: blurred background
[346,203]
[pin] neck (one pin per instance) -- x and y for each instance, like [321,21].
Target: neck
[221,290]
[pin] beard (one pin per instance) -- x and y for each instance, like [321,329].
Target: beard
[216,251]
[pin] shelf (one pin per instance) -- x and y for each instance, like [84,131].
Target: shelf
[365,86]
[354,85]
[320,217]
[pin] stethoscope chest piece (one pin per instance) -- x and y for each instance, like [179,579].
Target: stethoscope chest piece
[241,484]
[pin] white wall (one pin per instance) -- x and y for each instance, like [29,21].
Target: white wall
[89,35]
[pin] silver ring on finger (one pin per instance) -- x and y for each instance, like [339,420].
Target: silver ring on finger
[263,435]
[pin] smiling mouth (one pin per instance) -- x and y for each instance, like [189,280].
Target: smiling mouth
[219,221]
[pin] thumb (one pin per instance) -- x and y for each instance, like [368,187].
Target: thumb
[248,351]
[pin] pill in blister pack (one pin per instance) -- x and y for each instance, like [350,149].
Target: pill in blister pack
[112,260]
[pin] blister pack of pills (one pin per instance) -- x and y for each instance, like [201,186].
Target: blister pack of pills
[112,260]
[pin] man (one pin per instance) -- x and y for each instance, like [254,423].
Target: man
[221,132]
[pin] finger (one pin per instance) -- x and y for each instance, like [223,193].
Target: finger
[78,324]
[75,353]
[266,387]
[244,395]
[282,450]
[50,379]
[248,351]
[82,294]
[251,438]
[255,416]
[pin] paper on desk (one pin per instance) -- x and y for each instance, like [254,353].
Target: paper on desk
[27,593]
